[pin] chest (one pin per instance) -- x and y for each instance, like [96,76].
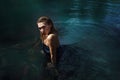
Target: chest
[46,42]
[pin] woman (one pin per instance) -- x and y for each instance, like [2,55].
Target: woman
[50,41]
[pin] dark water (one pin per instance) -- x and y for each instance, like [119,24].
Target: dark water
[91,29]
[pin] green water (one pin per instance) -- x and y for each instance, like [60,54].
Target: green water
[91,25]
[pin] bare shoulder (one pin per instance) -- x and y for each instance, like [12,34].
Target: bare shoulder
[53,40]
[52,37]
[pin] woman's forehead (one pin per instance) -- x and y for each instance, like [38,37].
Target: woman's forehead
[41,24]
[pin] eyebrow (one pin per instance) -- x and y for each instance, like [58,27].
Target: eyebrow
[41,27]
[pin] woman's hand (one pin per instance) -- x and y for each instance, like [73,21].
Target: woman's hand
[50,65]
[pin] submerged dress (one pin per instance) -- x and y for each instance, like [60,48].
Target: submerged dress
[46,51]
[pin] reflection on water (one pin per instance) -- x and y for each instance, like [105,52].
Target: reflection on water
[90,29]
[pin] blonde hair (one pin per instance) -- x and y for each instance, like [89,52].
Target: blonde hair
[48,21]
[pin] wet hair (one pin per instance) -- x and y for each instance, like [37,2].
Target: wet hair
[48,21]
[45,19]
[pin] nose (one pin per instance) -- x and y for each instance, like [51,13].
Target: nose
[41,30]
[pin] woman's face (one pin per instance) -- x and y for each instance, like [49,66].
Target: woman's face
[44,28]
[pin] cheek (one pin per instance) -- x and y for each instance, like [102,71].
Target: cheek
[48,28]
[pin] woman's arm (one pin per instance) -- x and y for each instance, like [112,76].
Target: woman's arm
[53,44]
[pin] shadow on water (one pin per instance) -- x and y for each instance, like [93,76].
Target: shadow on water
[89,29]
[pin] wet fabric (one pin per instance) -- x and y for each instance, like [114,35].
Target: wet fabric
[59,53]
